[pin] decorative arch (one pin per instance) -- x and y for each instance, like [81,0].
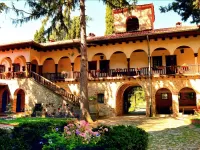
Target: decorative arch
[160,57]
[163,101]
[132,24]
[5,99]
[119,97]
[99,62]
[64,64]
[118,60]
[48,66]
[19,64]
[7,63]
[184,55]
[19,100]
[138,59]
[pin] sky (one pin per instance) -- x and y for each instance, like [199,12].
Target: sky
[95,9]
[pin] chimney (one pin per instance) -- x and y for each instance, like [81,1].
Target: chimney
[178,24]
[91,35]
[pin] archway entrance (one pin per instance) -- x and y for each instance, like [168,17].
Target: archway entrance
[5,100]
[20,101]
[134,101]
[163,101]
[187,98]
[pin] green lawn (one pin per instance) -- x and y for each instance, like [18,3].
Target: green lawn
[30,119]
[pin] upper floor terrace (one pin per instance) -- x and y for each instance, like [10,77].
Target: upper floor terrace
[171,51]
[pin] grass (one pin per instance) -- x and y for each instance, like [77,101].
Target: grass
[30,119]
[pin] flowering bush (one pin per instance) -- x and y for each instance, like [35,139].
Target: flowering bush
[76,135]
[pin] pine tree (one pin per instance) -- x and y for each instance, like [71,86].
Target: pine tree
[185,8]
[40,36]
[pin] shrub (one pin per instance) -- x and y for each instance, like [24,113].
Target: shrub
[30,134]
[124,138]
[5,139]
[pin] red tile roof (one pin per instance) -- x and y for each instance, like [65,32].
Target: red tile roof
[107,37]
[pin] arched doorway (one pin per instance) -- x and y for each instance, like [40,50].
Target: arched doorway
[163,101]
[187,97]
[134,101]
[20,100]
[5,100]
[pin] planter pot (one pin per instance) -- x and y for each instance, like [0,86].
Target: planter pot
[94,109]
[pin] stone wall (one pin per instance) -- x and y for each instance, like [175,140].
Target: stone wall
[113,91]
[34,94]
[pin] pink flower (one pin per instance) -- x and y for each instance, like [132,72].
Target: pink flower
[68,133]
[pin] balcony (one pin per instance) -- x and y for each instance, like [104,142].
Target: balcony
[132,72]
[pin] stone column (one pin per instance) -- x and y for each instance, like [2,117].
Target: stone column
[175,105]
[56,71]
[196,63]
[153,105]
[40,70]
[72,70]
[147,106]
[128,66]
[28,69]
[72,65]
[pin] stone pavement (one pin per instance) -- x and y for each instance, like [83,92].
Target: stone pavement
[164,133]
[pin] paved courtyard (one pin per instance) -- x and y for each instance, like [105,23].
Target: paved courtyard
[165,133]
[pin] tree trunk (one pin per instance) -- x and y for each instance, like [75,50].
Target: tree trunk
[84,103]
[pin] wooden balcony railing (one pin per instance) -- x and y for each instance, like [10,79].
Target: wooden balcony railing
[55,88]
[155,71]
[11,75]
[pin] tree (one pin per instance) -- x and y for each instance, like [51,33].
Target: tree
[53,9]
[185,8]
[3,7]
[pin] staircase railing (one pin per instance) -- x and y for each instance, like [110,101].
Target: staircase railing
[71,98]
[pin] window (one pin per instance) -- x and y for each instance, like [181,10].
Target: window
[157,61]
[187,96]
[164,96]
[100,98]
[132,24]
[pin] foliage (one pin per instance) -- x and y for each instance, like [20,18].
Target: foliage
[124,138]
[185,8]
[5,139]
[30,134]
[29,120]
[75,136]
[197,111]
[9,109]
[3,7]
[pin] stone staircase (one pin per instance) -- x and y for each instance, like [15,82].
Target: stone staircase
[68,97]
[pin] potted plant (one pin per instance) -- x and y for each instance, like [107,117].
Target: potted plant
[93,107]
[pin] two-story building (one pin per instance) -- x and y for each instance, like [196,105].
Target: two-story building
[163,62]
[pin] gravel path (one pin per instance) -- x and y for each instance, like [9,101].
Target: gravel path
[164,133]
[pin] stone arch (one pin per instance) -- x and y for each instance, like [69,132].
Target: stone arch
[19,64]
[159,56]
[132,23]
[138,59]
[64,64]
[48,66]
[34,65]
[184,55]
[19,100]
[118,60]
[98,62]
[163,101]
[4,98]
[119,96]
[187,97]
[7,63]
